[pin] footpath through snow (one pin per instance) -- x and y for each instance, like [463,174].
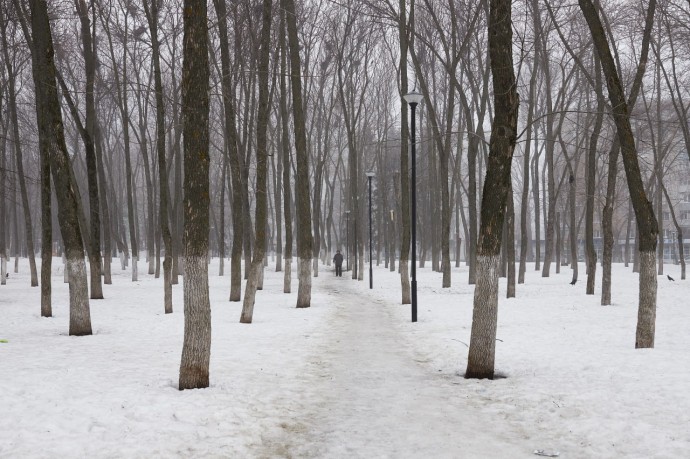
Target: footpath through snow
[371,398]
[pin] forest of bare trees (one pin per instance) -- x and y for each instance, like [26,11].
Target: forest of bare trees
[174,131]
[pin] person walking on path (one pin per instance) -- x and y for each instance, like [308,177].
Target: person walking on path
[338,260]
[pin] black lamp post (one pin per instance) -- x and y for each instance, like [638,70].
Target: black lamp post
[347,239]
[413,99]
[370,175]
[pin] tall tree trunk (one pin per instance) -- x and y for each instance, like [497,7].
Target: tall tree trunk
[123,93]
[480,362]
[89,52]
[196,350]
[261,204]
[607,213]
[644,213]
[104,206]
[151,9]
[285,141]
[230,126]
[221,208]
[405,234]
[278,182]
[549,143]
[679,232]
[304,237]
[591,167]
[524,204]
[52,141]
[3,207]
[510,249]
[537,207]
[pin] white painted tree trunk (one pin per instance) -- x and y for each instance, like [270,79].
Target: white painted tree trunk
[196,350]
[107,278]
[79,313]
[304,278]
[123,265]
[480,361]
[250,293]
[287,277]
[167,284]
[135,269]
[405,281]
[646,314]
[3,271]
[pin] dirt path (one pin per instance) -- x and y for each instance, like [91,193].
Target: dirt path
[369,398]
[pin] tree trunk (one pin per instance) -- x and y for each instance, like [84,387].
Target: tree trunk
[679,231]
[52,141]
[89,52]
[524,204]
[644,213]
[304,236]
[104,206]
[480,362]
[196,350]
[510,249]
[152,17]
[227,88]
[591,167]
[572,190]
[537,207]
[285,141]
[3,207]
[261,212]
[607,225]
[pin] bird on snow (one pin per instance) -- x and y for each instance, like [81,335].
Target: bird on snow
[670,278]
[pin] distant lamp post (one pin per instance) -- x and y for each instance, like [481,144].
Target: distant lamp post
[413,99]
[370,175]
[347,239]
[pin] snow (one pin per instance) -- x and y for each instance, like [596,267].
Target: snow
[349,377]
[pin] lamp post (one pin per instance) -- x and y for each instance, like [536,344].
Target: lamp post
[347,239]
[413,98]
[370,175]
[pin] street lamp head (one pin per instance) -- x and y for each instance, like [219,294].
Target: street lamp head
[370,174]
[413,98]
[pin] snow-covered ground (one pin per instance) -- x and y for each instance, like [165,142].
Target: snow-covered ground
[349,377]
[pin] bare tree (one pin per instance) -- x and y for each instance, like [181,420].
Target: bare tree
[261,218]
[303,210]
[644,213]
[52,141]
[151,10]
[196,350]
[285,143]
[480,362]
[90,58]
[227,87]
